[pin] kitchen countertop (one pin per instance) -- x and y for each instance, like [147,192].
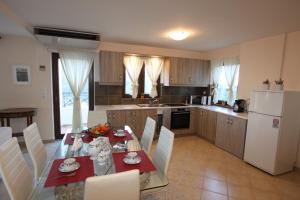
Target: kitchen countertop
[213,108]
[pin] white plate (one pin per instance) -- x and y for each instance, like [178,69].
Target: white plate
[134,161]
[62,167]
[119,134]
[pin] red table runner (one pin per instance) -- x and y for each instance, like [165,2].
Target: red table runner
[86,170]
[87,138]
[145,166]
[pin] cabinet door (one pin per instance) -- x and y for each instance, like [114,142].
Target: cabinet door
[116,118]
[174,71]
[111,68]
[237,136]
[201,125]
[211,123]
[193,118]
[196,68]
[142,117]
[223,132]
[131,117]
[204,74]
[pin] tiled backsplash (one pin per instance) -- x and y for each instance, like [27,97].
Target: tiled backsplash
[113,95]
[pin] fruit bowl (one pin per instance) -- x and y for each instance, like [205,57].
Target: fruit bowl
[99,130]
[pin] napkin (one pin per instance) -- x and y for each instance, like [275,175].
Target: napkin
[77,144]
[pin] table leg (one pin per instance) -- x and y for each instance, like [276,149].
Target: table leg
[7,122]
[2,121]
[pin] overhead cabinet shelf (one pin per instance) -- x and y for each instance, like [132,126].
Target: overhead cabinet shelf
[111,68]
[186,72]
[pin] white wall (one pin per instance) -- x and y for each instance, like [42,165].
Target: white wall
[261,59]
[25,50]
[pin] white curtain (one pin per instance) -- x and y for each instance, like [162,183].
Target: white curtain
[133,65]
[153,68]
[216,73]
[76,66]
[231,69]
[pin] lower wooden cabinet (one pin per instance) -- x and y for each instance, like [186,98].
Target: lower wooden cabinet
[206,124]
[116,118]
[230,134]
[135,119]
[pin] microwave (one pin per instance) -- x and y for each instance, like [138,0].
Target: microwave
[196,99]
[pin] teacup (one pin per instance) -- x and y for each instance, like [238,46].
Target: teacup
[120,131]
[69,163]
[131,155]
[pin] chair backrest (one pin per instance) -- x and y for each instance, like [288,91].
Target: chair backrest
[14,170]
[162,155]
[36,149]
[148,134]
[96,117]
[124,185]
[5,134]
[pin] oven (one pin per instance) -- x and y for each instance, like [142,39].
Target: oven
[180,118]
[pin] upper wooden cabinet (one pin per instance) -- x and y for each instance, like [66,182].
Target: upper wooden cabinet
[188,72]
[111,68]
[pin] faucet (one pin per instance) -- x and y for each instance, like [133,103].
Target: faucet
[153,101]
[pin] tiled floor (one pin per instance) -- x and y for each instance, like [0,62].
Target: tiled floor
[199,170]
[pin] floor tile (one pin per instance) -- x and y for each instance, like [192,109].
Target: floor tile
[208,195]
[215,186]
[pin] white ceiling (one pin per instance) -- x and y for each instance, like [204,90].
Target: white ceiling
[9,27]
[214,23]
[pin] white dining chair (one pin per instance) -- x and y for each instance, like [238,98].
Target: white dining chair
[14,170]
[5,134]
[161,158]
[36,149]
[96,117]
[124,185]
[163,152]
[148,134]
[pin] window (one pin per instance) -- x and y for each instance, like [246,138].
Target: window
[224,74]
[144,84]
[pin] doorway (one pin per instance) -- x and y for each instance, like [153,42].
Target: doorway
[63,99]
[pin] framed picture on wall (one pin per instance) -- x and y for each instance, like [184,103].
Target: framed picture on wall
[21,74]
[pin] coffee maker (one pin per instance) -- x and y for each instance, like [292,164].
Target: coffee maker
[239,105]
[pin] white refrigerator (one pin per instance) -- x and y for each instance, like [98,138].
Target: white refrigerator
[273,130]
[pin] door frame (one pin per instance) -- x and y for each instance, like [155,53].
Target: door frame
[55,88]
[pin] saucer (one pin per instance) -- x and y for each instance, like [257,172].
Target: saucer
[63,168]
[131,161]
[119,133]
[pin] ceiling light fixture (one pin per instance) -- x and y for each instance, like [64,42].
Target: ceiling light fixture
[178,35]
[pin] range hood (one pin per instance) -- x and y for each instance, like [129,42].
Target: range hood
[63,38]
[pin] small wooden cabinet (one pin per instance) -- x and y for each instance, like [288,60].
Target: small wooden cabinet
[188,72]
[111,68]
[206,124]
[230,134]
[116,118]
[135,119]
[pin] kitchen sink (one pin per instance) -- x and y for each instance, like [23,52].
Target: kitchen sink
[152,105]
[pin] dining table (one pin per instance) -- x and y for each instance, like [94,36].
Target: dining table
[75,190]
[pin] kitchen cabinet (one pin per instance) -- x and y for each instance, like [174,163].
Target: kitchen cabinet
[230,134]
[116,118]
[135,119]
[111,68]
[188,72]
[206,124]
